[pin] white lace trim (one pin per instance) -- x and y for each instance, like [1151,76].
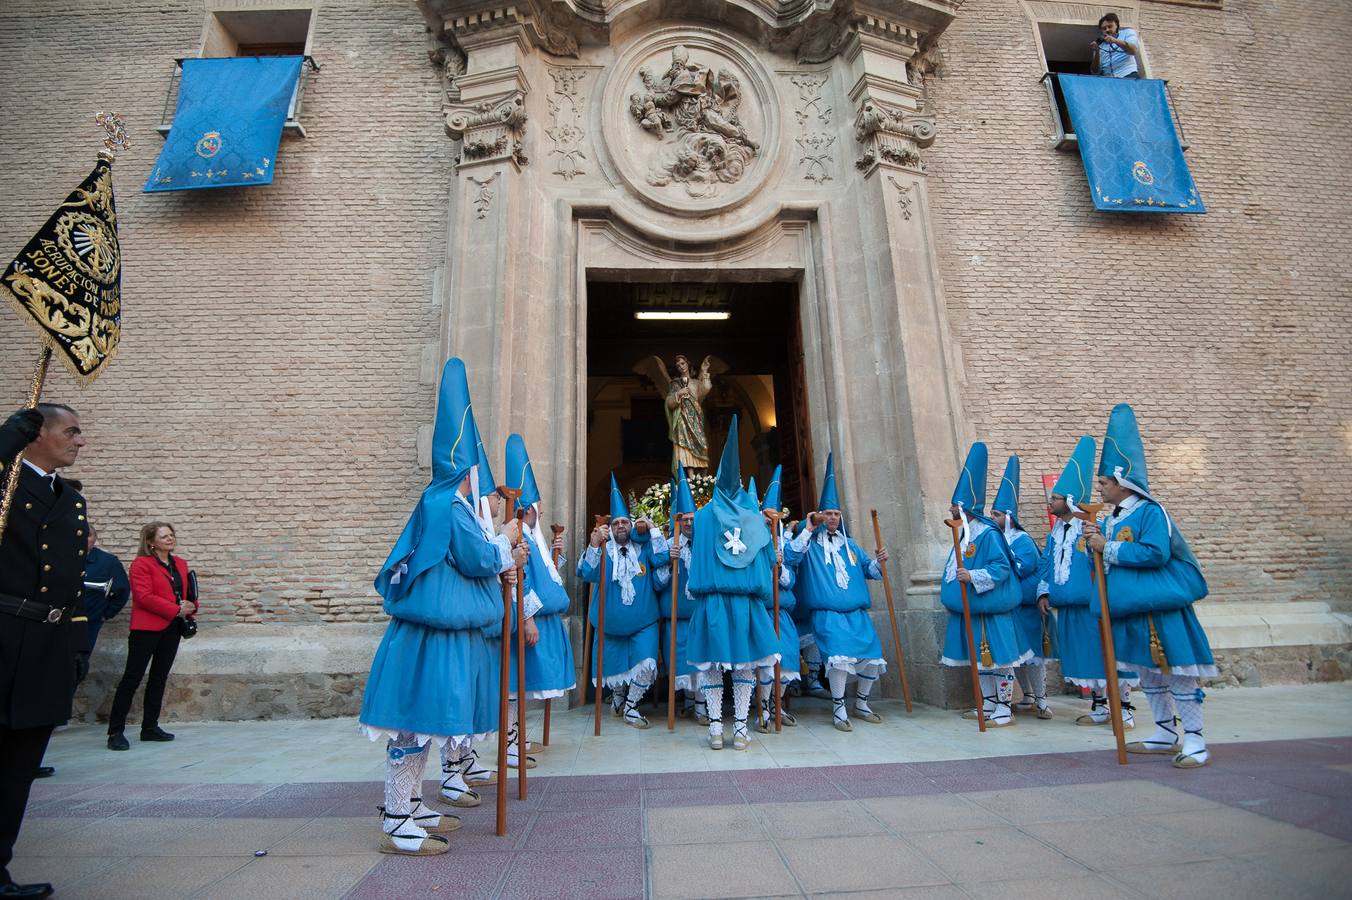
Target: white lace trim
[642,667]
[624,569]
[982,580]
[1027,655]
[1194,671]
[851,664]
[375,733]
[551,694]
[1110,551]
[972,529]
[1063,550]
[728,667]
[687,682]
[831,553]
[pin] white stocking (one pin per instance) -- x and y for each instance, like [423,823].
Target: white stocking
[989,689]
[1033,679]
[1187,697]
[404,763]
[837,679]
[637,688]
[713,698]
[868,676]
[743,682]
[766,677]
[1156,688]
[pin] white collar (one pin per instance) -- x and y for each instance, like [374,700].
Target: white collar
[37,469]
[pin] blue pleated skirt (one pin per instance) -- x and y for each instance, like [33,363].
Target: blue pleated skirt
[624,654]
[549,664]
[847,635]
[685,673]
[432,682]
[728,631]
[1028,621]
[1185,644]
[1006,645]
[788,647]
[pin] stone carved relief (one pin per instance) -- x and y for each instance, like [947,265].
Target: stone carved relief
[892,135]
[483,195]
[816,139]
[903,197]
[929,60]
[695,113]
[450,63]
[567,112]
[491,129]
[689,121]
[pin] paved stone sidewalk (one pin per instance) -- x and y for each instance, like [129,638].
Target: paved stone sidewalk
[1267,818]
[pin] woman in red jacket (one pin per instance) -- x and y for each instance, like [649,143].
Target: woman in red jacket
[159,601]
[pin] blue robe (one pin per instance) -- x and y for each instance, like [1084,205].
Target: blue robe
[549,664]
[631,628]
[1078,644]
[840,619]
[992,596]
[435,674]
[686,675]
[1153,578]
[1027,618]
[730,626]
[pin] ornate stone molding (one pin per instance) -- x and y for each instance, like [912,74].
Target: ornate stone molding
[816,139]
[483,194]
[542,23]
[490,130]
[892,135]
[903,197]
[568,116]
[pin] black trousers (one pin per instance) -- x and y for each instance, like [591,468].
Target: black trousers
[21,752]
[158,649]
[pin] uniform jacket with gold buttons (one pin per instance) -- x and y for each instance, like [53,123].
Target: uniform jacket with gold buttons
[42,559]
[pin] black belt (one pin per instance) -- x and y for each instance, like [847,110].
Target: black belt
[32,610]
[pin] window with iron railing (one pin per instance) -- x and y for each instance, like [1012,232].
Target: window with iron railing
[294,112]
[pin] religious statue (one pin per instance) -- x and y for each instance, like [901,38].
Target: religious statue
[695,113]
[684,396]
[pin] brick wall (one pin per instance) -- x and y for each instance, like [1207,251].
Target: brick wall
[1230,332]
[268,382]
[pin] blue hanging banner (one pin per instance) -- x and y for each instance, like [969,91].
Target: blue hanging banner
[1131,153]
[228,123]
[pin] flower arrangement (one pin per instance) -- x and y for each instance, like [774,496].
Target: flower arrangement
[655,502]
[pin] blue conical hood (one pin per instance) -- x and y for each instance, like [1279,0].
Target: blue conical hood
[970,493]
[1076,483]
[730,466]
[455,436]
[1007,495]
[830,495]
[486,483]
[618,508]
[682,500]
[520,476]
[774,491]
[1123,453]
[751,500]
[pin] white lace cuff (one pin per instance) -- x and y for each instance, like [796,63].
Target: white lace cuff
[874,571]
[1110,552]
[593,556]
[799,544]
[1043,589]
[659,542]
[531,604]
[981,580]
[783,577]
[662,576]
[504,552]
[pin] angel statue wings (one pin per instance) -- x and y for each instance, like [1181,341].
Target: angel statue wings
[685,395]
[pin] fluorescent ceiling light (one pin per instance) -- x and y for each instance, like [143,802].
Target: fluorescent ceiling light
[675,314]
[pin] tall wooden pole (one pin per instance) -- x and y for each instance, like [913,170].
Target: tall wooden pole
[1089,513]
[776,534]
[520,669]
[955,525]
[671,656]
[892,615]
[504,667]
[556,529]
[12,474]
[601,625]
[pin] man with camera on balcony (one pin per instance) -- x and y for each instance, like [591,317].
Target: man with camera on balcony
[1113,52]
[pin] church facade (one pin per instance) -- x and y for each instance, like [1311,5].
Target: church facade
[876,204]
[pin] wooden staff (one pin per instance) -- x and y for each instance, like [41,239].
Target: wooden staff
[557,530]
[600,626]
[776,533]
[504,669]
[671,657]
[520,655]
[892,615]
[955,525]
[1089,513]
[12,476]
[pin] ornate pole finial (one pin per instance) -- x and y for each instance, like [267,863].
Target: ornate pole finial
[116,138]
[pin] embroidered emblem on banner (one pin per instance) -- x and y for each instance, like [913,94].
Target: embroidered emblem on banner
[1124,535]
[1141,172]
[209,145]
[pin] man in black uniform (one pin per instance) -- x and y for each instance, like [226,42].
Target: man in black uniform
[43,627]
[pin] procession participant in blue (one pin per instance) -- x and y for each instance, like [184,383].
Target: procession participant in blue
[678,667]
[1066,584]
[433,676]
[1028,618]
[732,564]
[987,568]
[788,561]
[1153,581]
[634,550]
[809,656]
[831,574]
[549,653]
